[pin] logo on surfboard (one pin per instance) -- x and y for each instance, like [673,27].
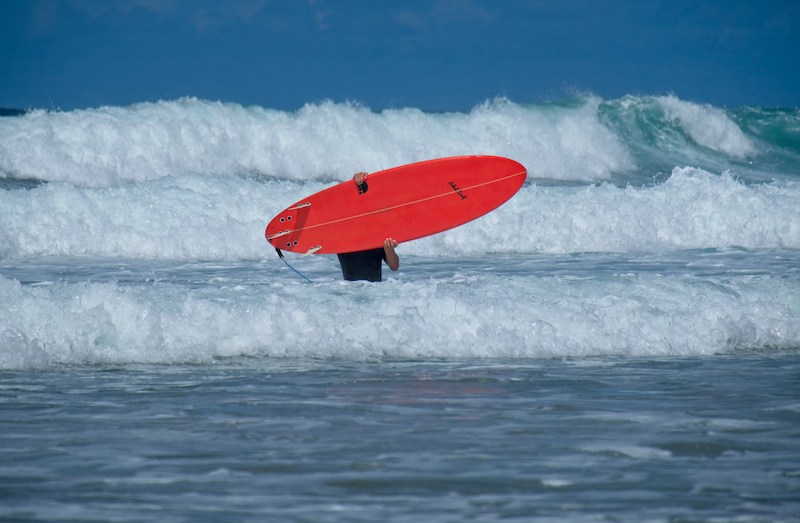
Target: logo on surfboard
[458,190]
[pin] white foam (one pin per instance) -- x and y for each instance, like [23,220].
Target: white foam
[693,209]
[185,218]
[195,217]
[708,126]
[486,316]
[109,146]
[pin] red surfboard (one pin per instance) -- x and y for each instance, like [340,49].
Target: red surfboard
[404,203]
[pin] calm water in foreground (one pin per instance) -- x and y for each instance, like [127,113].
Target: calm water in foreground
[624,439]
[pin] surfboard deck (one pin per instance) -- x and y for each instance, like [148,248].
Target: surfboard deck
[405,203]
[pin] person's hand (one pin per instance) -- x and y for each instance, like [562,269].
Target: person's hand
[392,259]
[360,177]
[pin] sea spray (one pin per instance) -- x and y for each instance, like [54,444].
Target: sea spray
[473,315]
[200,217]
[588,139]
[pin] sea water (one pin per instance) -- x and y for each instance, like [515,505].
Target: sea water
[620,341]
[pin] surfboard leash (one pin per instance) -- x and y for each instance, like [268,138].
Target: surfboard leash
[280,255]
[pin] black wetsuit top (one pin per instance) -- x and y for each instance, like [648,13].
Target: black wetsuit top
[362,265]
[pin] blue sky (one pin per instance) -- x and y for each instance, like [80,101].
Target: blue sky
[438,55]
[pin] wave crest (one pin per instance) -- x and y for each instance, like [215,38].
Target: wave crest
[586,139]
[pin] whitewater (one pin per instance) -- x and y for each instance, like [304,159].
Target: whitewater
[185,183]
[619,341]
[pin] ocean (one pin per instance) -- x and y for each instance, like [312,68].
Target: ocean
[618,342]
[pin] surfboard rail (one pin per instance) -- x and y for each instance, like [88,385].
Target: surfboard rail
[406,203]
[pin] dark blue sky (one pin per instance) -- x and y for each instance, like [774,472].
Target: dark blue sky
[431,54]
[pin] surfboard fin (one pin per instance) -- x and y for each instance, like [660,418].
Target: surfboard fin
[278,234]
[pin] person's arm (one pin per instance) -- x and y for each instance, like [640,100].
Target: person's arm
[392,259]
[389,245]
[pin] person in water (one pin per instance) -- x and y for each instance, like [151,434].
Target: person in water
[367,265]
